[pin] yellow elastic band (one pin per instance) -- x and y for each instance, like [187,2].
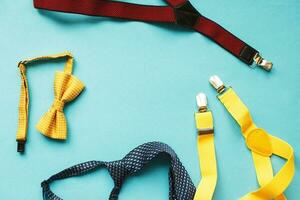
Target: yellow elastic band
[263,146]
[66,88]
[207,156]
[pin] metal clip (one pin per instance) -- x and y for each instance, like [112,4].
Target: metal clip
[21,146]
[217,83]
[201,102]
[260,61]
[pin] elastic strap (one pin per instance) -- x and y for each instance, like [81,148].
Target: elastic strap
[24,95]
[180,183]
[207,156]
[263,146]
[225,39]
[69,62]
[180,12]
[110,9]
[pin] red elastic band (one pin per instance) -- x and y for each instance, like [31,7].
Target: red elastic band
[110,9]
[221,36]
[147,13]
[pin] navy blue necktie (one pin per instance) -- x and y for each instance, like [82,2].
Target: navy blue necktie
[181,186]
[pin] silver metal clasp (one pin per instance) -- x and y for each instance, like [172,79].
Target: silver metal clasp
[217,83]
[260,61]
[201,102]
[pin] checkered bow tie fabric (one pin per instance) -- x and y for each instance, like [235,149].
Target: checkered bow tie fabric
[181,186]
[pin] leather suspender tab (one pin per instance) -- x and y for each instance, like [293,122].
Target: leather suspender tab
[247,55]
[206,131]
[186,15]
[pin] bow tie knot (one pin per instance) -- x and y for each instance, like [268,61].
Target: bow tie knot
[58,105]
[54,124]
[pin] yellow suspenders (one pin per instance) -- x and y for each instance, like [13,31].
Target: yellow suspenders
[206,150]
[66,88]
[262,146]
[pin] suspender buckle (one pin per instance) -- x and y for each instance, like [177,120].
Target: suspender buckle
[260,61]
[206,131]
[186,15]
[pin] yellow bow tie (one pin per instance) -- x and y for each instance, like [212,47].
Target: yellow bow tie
[66,88]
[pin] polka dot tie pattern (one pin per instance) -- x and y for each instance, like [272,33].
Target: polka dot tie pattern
[181,186]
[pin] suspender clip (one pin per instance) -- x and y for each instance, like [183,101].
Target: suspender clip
[186,15]
[217,83]
[260,61]
[204,121]
[201,102]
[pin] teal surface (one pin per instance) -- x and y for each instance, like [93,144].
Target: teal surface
[141,80]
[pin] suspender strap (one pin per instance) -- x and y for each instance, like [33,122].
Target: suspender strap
[206,152]
[263,146]
[181,186]
[179,12]
[110,9]
[66,88]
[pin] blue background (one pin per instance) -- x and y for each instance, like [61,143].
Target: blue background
[141,80]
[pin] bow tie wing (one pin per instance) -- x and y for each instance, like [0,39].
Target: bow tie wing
[53,125]
[66,88]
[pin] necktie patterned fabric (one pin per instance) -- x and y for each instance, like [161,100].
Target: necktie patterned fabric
[181,186]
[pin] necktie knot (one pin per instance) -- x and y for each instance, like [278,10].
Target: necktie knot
[58,105]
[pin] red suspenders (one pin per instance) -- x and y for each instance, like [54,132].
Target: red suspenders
[179,12]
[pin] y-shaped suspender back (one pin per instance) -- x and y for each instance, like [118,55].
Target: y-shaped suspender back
[262,145]
[181,186]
